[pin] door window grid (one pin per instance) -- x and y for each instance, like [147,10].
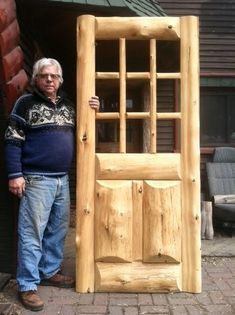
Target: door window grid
[152,115]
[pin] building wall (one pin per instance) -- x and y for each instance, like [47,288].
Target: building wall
[217,62]
[217,31]
[7,209]
[13,81]
[217,46]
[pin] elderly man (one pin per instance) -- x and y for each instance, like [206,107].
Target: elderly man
[39,151]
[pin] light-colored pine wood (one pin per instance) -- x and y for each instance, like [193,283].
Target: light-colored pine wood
[136,75]
[190,150]
[168,115]
[113,116]
[166,28]
[107,75]
[147,204]
[138,115]
[153,96]
[122,102]
[162,222]
[138,277]
[137,238]
[138,166]
[113,221]
[171,75]
[85,155]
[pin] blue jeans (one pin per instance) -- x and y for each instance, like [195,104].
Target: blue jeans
[42,227]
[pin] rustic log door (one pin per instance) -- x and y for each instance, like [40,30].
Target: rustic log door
[138,215]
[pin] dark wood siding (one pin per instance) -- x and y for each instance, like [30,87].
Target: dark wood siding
[217,49]
[7,213]
[217,30]
[13,81]
[13,77]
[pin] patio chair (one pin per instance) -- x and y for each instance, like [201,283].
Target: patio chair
[221,186]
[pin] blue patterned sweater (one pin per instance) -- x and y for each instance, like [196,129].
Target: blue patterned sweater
[39,139]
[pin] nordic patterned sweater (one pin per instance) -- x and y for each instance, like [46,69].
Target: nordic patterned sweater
[39,139]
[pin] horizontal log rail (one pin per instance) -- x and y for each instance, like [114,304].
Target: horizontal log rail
[161,28]
[144,166]
[137,75]
[137,115]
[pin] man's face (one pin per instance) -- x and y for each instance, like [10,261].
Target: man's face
[48,81]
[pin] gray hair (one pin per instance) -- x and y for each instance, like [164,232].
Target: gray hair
[45,62]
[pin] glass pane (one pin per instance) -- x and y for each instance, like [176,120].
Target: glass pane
[137,55]
[231,119]
[168,56]
[134,136]
[165,136]
[111,61]
[213,118]
[108,131]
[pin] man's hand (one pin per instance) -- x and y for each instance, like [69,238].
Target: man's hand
[94,102]
[17,186]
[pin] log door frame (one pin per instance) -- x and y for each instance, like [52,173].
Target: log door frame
[185,164]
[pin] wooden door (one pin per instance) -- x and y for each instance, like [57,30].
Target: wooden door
[138,215]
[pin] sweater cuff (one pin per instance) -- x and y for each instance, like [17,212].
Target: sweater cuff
[15,175]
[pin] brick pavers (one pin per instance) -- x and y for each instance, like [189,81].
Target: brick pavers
[217,297]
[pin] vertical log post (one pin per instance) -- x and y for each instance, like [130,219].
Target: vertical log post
[85,152]
[190,151]
[122,102]
[153,96]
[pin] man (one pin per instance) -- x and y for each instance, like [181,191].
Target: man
[39,151]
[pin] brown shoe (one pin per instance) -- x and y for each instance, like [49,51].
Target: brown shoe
[59,280]
[31,300]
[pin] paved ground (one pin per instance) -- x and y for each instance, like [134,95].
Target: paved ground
[217,297]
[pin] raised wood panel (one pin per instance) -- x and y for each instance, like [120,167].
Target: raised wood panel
[9,38]
[162,221]
[7,13]
[113,221]
[12,63]
[138,166]
[137,240]
[137,277]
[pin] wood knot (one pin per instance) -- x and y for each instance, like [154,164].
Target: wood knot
[86,211]
[84,138]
